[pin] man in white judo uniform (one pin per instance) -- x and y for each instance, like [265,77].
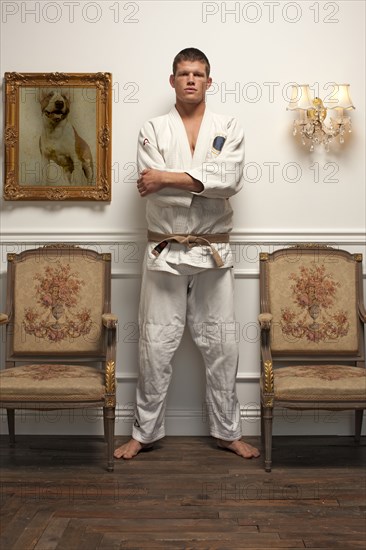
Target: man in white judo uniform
[190,162]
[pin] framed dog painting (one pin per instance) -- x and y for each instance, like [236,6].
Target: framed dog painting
[58,136]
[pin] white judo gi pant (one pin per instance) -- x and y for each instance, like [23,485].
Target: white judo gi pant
[206,301]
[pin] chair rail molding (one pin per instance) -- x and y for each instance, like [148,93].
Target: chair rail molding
[254,236]
[246,245]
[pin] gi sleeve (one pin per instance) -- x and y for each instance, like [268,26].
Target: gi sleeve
[148,153]
[149,156]
[222,176]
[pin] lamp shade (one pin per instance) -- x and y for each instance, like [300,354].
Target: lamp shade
[300,97]
[340,98]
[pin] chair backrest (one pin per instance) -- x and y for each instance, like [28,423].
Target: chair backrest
[56,296]
[313,293]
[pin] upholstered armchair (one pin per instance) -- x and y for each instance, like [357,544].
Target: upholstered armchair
[312,334]
[60,335]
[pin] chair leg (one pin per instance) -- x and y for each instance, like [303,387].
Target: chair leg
[267,420]
[109,421]
[358,424]
[11,426]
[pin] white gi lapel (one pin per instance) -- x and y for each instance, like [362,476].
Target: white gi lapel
[182,138]
[203,145]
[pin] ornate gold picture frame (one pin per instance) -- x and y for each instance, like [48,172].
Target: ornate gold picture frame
[58,136]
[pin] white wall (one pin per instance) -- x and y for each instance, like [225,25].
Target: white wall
[256,50]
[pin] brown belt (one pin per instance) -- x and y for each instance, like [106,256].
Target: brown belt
[189,240]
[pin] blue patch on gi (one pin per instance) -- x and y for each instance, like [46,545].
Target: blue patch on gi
[218,143]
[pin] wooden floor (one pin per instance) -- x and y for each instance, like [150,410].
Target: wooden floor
[184,494]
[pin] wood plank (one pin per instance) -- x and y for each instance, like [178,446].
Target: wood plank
[210,540]
[110,542]
[158,510]
[33,531]
[269,513]
[73,534]
[259,503]
[16,526]
[151,525]
[338,528]
[333,543]
[52,534]
[10,507]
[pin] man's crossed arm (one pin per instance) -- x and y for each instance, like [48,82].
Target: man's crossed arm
[152,180]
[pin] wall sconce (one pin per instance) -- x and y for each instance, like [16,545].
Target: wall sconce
[312,113]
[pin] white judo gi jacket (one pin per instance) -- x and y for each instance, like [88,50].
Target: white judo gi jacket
[217,162]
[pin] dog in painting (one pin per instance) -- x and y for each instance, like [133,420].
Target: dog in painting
[61,144]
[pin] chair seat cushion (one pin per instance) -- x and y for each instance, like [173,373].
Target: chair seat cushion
[52,382]
[320,383]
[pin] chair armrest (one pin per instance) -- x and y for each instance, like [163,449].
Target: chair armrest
[265,320]
[362,312]
[4,319]
[109,320]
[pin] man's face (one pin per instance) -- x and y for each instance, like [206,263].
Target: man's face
[190,82]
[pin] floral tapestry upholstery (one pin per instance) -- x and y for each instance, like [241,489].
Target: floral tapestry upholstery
[320,383]
[59,304]
[313,303]
[49,382]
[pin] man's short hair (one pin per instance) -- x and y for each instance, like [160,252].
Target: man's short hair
[191,54]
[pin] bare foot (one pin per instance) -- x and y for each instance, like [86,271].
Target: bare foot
[130,449]
[239,447]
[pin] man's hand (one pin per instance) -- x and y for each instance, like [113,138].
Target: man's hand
[152,180]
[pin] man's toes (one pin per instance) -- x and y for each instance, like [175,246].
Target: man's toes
[251,452]
[126,455]
[118,453]
[128,450]
[246,453]
[255,452]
